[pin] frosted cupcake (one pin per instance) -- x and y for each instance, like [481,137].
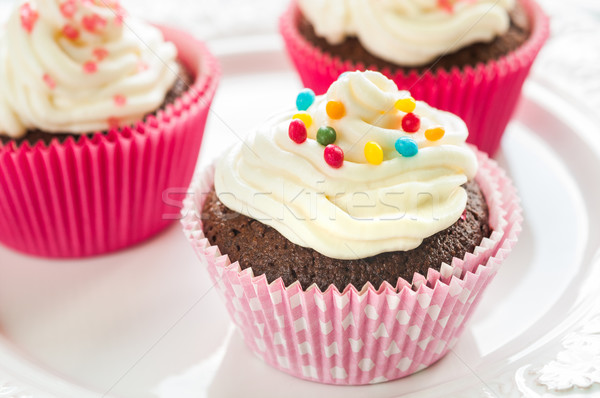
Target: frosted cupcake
[467,57]
[100,114]
[351,237]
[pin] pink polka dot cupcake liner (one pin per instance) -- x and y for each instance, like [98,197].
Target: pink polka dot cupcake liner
[96,195]
[484,96]
[361,336]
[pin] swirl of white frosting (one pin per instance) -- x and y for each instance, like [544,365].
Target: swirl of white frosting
[80,66]
[360,209]
[409,32]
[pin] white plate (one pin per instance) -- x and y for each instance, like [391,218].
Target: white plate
[145,322]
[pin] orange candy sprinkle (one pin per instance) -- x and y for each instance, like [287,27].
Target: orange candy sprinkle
[435,133]
[335,110]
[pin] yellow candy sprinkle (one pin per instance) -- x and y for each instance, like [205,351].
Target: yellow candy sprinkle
[406,105]
[335,110]
[373,153]
[435,133]
[305,117]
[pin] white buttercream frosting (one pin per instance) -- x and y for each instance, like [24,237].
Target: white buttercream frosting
[409,32]
[360,209]
[80,66]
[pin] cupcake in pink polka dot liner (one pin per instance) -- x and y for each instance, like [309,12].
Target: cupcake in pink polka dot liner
[100,114]
[352,237]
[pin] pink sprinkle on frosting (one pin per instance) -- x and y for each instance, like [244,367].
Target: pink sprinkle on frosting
[142,66]
[119,19]
[446,5]
[29,16]
[100,53]
[49,81]
[90,67]
[70,32]
[120,100]
[93,23]
[68,8]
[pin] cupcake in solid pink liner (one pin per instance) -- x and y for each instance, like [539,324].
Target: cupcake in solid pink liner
[468,57]
[352,238]
[101,115]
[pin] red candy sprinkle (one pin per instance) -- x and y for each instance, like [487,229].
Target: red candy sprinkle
[464,215]
[334,156]
[49,81]
[68,8]
[100,53]
[297,131]
[70,32]
[29,16]
[120,100]
[92,23]
[90,67]
[411,123]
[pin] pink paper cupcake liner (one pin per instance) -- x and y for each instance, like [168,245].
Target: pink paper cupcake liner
[484,96]
[96,195]
[360,336]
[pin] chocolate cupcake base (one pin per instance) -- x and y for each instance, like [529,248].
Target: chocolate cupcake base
[251,242]
[352,50]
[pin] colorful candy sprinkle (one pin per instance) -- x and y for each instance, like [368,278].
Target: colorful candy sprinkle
[305,99]
[373,153]
[68,8]
[435,133]
[464,215]
[406,147]
[90,67]
[49,81]
[411,123]
[335,109]
[297,131]
[120,100]
[305,117]
[326,135]
[70,32]
[406,105]
[29,16]
[334,156]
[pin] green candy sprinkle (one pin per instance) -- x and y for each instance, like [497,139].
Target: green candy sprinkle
[326,135]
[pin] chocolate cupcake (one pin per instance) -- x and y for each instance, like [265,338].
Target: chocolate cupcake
[100,113]
[254,244]
[335,228]
[466,57]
